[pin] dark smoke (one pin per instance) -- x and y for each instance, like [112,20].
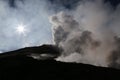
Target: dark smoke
[115,55]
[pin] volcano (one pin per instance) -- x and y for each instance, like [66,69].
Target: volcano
[18,65]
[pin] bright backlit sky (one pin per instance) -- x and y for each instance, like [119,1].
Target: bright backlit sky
[25,24]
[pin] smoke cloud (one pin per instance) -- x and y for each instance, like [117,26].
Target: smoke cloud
[89,34]
[87,31]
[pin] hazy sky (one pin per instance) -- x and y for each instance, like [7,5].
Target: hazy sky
[23,23]
[26,22]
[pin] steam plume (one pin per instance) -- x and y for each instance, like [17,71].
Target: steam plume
[89,34]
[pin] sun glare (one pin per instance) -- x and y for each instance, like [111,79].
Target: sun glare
[21,29]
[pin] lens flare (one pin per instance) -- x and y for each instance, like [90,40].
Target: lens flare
[21,29]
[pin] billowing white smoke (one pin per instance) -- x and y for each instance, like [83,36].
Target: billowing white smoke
[88,34]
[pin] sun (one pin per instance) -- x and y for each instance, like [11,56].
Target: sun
[21,29]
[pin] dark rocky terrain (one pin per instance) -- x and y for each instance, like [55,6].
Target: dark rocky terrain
[21,67]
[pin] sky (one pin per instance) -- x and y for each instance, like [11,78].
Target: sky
[86,30]
[32,17]
[26,23]
[23,23]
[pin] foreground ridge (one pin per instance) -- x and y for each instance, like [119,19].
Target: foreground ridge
[22,67]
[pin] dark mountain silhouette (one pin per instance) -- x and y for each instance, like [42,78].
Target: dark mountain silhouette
[44,49]
[17,65]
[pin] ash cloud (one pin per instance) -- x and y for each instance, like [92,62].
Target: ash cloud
[88,34]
